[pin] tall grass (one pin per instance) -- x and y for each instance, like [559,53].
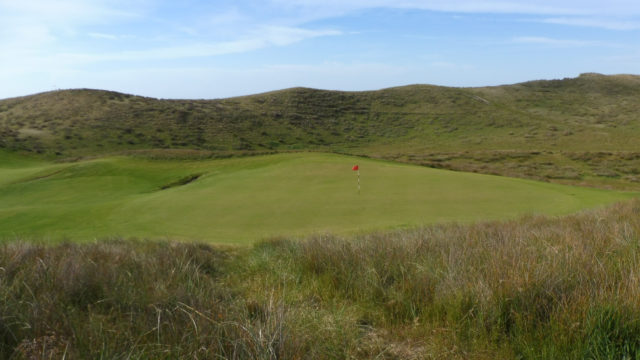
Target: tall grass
[533,288]
[129,299]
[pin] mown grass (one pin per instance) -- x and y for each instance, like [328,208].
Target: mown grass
[241,200]
[531,288]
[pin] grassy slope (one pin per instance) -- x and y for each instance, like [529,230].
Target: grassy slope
[553,127]
[244,199]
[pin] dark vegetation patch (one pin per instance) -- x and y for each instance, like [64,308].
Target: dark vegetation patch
[182,181]
[44,176]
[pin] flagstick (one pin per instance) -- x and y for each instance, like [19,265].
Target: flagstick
[358,181]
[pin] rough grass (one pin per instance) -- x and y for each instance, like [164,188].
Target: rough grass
[530,288]
[131,299]
[602,169]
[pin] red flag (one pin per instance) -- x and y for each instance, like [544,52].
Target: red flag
[355,168]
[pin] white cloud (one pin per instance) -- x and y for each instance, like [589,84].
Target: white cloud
[538,7]
[612,14]
[32,29]
[604,23]
[64,11]
[554,42]
[35,33]
[102,36]
[227,17]
[282,35]
[265,37]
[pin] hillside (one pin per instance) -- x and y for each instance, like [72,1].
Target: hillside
[580,131]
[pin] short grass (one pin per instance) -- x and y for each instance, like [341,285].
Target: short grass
[241,200]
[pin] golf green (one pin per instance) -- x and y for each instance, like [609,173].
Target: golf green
[241,200]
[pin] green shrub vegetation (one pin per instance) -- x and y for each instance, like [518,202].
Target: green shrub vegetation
[535,287]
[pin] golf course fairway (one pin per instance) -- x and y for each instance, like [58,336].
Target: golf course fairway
[242,200]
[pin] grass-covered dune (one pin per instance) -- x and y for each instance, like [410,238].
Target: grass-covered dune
[580,130]
[242,200]
[531,288]
[590,113]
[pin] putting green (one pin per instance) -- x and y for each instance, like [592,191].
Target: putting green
[242,200]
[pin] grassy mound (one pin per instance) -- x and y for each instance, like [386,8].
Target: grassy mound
[242,200]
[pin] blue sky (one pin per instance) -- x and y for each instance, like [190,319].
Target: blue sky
[214,49]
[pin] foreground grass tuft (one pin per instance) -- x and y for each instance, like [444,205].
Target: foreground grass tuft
[532,288]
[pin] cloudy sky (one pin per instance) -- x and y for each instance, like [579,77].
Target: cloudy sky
[222,48]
